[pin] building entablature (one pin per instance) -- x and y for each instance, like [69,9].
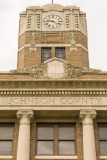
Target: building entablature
[58,97]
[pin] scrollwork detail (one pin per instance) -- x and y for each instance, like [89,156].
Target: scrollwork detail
[38,71]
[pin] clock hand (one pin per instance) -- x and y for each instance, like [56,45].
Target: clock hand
[51,21]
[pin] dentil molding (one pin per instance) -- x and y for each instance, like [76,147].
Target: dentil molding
[54,92]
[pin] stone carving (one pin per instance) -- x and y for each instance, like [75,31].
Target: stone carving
[51,37]
[73,35]
[90,113]
[70,71]
[38,71]
[28,114]
[33,35]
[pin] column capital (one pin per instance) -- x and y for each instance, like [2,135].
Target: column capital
[87,116]
[25,116]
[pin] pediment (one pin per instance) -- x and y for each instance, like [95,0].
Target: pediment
[56,68]
[55,59]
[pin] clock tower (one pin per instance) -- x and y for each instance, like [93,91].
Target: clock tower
[52,31]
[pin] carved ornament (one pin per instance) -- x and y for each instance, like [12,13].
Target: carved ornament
[73,35]
[28,114]
[33,35]
[37,71]
[87,113]
[70,71]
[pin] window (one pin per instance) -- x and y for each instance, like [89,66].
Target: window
[55,139]
[60,52]
[103,139]
[45,54]
[6,139]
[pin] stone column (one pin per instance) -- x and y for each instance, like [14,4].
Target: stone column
[25,117]
[89,150]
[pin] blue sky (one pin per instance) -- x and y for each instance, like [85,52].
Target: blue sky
[96,12]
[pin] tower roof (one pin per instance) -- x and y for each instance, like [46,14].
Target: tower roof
[52,6]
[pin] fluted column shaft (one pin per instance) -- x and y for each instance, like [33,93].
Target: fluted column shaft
[87,117]
[25,117]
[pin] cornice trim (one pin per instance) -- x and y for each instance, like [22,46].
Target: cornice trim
[52,45]
[78,30]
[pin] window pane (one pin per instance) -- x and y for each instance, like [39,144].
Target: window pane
[6,132]
[103,147]
[5,147]
[45,132]
[60,52]
[45,54]
[45,147]
[66,132]
[66,147]
[102,132]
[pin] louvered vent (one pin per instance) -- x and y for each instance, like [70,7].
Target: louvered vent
[76,21]
[29,21]
[38,20]
[22,24]
[67,20]
[83,24]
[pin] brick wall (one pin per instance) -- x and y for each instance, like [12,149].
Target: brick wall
[78,58]
[20,62]
[32,58]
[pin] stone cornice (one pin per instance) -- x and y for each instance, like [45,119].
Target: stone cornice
[53,84]
[50,45]
[27,30]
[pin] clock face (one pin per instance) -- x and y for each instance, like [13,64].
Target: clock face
[53,21]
